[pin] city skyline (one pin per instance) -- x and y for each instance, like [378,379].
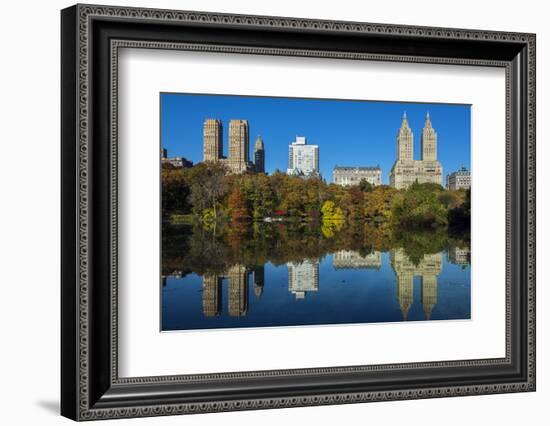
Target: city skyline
[368,128]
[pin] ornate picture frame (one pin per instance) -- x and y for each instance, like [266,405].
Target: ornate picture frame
[90,39]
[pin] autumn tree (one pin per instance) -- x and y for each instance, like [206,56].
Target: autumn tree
[237,205]
[331,213]
[352,203]
[378,203]
[290,196]
[208,187]
[258,191]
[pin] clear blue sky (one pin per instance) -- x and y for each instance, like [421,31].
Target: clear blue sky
[349,133]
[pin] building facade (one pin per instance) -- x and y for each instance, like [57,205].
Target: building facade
[303,159]
[259,155]
[349,176]
[460,179]
[174,162]
[238,160]
[212,140]
[406,170]
[459,256]
[351,259]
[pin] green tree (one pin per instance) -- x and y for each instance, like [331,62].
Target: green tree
[365,186]
[175,192]
[259,194]
[459,216]
[419,207]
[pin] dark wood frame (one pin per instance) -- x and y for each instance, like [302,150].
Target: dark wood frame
[90,386]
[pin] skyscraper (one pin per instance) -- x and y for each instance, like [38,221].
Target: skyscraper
[406,170]
[238,160]
[303,159]
[212,140]
[259,155]
[428,141]
[405,141]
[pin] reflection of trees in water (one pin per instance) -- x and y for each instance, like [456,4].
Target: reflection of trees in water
[238,254]
[417,244]
[186,248]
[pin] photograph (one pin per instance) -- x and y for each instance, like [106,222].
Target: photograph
[279,211]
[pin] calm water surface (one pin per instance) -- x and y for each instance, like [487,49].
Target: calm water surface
[296,278]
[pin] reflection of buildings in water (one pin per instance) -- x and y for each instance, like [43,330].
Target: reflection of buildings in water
[459,256]
[211,295]
[238,290]
[175,274]
[405,270]
[237,277]
[258,279]
[303,277]
[350,259]
[428,294]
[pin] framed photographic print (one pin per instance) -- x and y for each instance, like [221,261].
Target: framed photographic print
[263,212]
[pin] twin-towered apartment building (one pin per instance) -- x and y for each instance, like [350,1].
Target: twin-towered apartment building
[238,160]
[406,170]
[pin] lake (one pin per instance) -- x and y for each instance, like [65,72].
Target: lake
[273,275]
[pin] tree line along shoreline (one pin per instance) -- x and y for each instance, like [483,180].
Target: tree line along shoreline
[208,196]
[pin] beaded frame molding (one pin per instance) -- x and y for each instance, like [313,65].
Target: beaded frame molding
[91,38]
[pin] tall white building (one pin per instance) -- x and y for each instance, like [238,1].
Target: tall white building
[303,159]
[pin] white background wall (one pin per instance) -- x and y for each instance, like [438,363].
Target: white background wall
[29,225]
